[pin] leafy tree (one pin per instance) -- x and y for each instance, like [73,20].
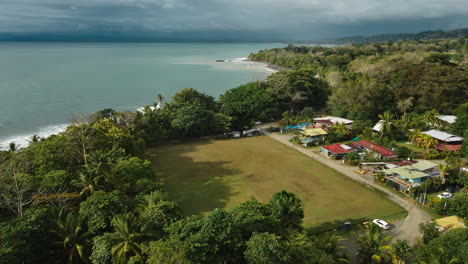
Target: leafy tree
[193,121]
[213,239]
[265,248]
[161,252]
[352,158]
[252,216]
[127,172]
[246,104]
[158,215]
[449,247]
[429,231]
[403,152]
[29,239]
[191,97]
[100,207]
[102,249]
[17,191]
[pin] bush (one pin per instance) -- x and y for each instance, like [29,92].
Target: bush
[403,152]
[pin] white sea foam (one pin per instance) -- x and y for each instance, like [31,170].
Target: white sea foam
[22,140]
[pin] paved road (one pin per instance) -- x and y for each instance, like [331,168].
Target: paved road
[407,228]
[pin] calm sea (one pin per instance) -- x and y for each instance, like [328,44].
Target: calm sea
[43,84]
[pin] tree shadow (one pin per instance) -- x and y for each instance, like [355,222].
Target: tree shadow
[337,225]
[198,186]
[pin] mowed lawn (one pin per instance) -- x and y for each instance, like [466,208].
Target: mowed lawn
[208,174]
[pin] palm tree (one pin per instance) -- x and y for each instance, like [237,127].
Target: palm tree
[159,99]
[386,120]
[340,128]
[443,169]
[400,251]
[405,104]
[374,247]
[73,236]
[88,180]
[440,256]
[430,117]
[328,242]
[287,119]
[288,208]
[34,139]
[13,147]
[127,237]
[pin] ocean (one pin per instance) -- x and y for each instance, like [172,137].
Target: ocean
[43,84]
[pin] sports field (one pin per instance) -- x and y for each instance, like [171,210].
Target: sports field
[207,174]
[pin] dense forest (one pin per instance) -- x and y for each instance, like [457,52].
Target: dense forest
[88,195]
[425,35]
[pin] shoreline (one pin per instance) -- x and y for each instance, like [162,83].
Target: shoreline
[21,139]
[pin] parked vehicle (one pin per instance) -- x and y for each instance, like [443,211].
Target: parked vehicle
[258,122]
[445,195]
[381,224]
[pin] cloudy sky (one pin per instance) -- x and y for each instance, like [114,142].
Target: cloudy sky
[298,19]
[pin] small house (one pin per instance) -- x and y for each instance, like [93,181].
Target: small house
[445,141]
[337,150]
[368,146]
[329,121]
[251,132]
[408,176]
[311,135]
[448,119]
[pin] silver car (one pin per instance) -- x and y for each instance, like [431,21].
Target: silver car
[381,224]
[445,195]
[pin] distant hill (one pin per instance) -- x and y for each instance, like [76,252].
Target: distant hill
[437,34]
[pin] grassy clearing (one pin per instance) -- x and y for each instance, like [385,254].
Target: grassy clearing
[207,174]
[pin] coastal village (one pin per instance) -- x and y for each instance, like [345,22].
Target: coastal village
[377,163]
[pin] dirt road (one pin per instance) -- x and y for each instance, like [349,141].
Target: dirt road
[407,228]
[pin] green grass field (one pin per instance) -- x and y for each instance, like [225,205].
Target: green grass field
[207,174]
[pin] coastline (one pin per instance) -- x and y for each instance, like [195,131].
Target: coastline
[258,70]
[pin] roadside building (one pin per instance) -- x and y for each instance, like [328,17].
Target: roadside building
[329,121]
[409,176]
[337,150]
[312,135]
[365,146]
[251,132]
[445,141]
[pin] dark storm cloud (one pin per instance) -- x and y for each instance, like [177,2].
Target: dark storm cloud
[287,18]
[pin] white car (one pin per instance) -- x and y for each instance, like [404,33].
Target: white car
[381,224]
[445,195]
[258,122]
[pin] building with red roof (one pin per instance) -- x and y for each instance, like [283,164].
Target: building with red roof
[337,150]
[364,145]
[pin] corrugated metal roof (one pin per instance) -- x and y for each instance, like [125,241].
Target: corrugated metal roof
[334,119]
[312,132]
[442,136]
[447,118]
[407,172]
[424,165]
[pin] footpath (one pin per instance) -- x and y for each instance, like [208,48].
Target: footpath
[407,228]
